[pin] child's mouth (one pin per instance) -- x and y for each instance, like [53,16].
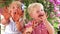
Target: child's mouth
[40,15]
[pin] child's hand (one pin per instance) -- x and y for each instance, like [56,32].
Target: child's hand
[6,13]
[28,30]
[4,22]
[45,18]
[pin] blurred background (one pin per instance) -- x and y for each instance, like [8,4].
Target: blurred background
[52,7]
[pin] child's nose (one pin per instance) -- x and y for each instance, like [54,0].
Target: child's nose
[14,12]
[41,12]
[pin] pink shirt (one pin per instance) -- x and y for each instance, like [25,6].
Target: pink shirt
[39,29]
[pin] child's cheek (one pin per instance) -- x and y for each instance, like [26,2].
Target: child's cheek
[16,16]
[20,12]
[12,15]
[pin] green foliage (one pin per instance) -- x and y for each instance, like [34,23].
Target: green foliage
[5,3]
[8,2]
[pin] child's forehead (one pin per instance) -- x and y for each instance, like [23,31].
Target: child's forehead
[13,5]
[39,7]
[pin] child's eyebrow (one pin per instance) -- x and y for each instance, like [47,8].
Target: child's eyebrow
[19,7]
[13,7]
[37,11]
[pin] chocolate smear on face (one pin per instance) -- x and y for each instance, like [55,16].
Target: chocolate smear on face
[40,15]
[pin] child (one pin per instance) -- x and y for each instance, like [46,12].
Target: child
[13,17]
[39,24]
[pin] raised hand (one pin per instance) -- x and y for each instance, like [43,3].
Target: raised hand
[6,13]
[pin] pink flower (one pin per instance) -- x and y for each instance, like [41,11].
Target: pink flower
[51,0]
[58,26]
[59,20]
[56,8]
[52,15]
[58,14]
[57,2]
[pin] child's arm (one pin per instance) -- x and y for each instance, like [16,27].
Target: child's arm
[49,28]
[5,15]
[3,20]
[19,26]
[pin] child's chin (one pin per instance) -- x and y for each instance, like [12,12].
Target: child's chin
[40,19]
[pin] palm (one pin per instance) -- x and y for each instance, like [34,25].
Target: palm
[6,13]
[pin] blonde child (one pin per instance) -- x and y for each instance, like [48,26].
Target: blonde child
[13,18]
[39,24]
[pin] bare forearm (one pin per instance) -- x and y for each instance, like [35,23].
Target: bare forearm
[50,28]
[4,21]
[19,26]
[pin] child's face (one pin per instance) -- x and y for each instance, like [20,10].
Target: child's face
[16,12]
[38,13]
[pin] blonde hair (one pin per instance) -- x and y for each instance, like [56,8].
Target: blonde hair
[16,2]
[33,6]
[19,4]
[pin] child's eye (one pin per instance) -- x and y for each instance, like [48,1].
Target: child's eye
[37,11]
[18,7]
[42,10]
[14,12]
[13,7]
[10,11]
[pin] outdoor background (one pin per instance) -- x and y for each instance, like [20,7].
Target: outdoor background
[52,7]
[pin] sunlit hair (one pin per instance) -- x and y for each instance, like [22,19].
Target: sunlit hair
[16,2]
[19,4]
[34,6]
